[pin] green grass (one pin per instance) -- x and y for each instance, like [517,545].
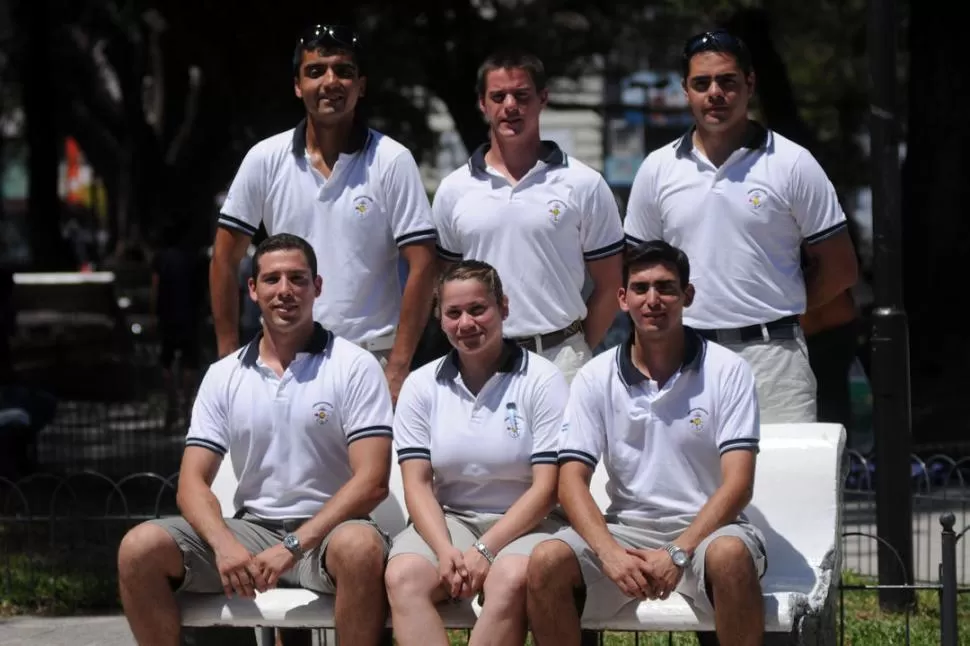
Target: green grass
[65,586]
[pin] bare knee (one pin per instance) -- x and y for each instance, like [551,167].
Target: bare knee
[410,578]
[354,551]
[506,579]
[552,564]
[148,549]
[728,562]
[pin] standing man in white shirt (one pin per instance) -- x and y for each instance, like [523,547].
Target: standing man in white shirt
[355,194]
[541,218]
[306,419]
[743,202]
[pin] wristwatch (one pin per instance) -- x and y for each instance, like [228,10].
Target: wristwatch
[484,551]
[292,543]
[680,558]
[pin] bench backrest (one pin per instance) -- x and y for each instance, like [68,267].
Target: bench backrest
[796,499]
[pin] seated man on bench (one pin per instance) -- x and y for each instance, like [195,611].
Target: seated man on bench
[675,418]
[306,418]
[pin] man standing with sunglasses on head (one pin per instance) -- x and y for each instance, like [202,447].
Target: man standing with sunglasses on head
[743,202]
[355,194]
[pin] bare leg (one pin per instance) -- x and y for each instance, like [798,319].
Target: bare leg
[355,561]
[148,562]
[413,589]
[739,616]
[503,619]
[552,579]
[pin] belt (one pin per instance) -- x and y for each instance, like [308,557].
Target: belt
[279,525]
[783,328]
[541,342]
[379,344]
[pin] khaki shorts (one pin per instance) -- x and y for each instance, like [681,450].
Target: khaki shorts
[466,527]
[202,575]
[604,599]
[783,377]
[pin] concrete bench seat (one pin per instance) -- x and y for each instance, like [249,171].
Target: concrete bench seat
[796,504]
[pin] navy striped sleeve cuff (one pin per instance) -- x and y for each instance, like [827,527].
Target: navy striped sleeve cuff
[633,241]
[416,236]
[604,252]
[573,455]
[545,457]
[450,256]
[827,233]
[215,447]
[369,431]
[236,224]
[741,443]
[413,454]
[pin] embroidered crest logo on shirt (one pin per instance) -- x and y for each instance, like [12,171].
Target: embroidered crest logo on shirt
[513,423]
[697,419]
[322,412]
[363,204]
[757,198]
[556,210]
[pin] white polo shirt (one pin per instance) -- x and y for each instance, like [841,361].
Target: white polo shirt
[661,447]
[741,225]
[288,436]
[373,203]
[482,449]
[538,234]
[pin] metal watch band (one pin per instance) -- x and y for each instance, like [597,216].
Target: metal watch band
[484,551]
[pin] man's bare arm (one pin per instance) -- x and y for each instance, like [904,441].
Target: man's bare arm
[370,463]
[196,500]
[227,252]
[602,305]
[832,268]
[730,499]
[415,308]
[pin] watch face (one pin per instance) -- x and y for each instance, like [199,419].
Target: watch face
[680,558]
[291,542]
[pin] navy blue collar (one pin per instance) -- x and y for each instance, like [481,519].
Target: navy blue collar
[694,346]
[361,135]
[514,359]
[549,152]
[757,137]
[316,344]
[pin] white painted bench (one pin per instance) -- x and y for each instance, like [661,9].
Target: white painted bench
[797,502]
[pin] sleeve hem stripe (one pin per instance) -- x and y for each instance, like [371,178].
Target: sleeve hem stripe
[235,223]
[416,236]
[633,240]
[448,255]
[369,431]
[603,252]
[827,233]
[206,444]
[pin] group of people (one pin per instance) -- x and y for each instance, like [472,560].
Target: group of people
[497,440]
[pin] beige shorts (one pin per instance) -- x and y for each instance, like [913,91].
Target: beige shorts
[202,575]
[570,355]
[604,599]
[783,378]
[466,527]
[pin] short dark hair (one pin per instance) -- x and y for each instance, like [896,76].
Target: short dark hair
[716,40]
[285,242]
[330,39]
[657,252]
[512,58]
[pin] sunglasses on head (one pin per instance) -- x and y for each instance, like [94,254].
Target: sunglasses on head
[336,34]
[712,40]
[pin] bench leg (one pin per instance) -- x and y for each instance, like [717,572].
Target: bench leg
[218,636]
[589,638]
[295,637]
[706,638]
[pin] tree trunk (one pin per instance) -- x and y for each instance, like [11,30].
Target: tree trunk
[43,138]
[936,227]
